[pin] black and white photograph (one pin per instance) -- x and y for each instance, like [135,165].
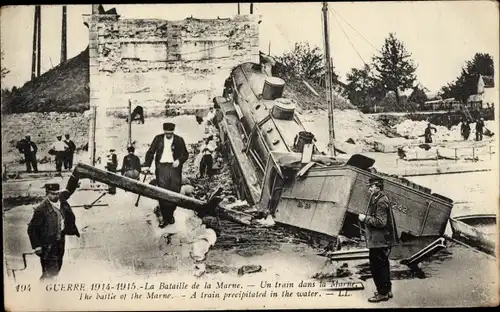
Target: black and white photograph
[289,155]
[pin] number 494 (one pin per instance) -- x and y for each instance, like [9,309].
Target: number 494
[20,288]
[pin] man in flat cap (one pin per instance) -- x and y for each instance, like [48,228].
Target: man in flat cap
[59,150]
[380,235]
[170,153]
[52,220]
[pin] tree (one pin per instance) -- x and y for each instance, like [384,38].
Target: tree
[5,71]
[418,95]
[481,64]
[466,84]
[303,62]
[362,88]
[394,66]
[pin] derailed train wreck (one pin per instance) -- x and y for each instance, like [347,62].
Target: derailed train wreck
[281,171]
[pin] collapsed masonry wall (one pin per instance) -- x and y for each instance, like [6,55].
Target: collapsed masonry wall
[161,64]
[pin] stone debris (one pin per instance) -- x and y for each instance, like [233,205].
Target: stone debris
[333,270]
[246,269]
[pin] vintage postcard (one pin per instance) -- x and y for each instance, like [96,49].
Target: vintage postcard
[250,155]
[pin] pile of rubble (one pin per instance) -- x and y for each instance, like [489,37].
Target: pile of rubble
[352,126]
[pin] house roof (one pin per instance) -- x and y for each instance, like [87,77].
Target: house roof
[489,81]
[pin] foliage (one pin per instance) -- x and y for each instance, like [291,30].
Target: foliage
[466,84]
[394,66]
[303,62]
[418,95]
[362,88]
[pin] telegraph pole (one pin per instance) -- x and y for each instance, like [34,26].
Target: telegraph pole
[63,38]
[39,44]
[328,78]
[35,32]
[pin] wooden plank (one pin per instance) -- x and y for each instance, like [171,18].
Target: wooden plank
[307,153]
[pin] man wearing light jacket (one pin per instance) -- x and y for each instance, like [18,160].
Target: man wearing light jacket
[380,235]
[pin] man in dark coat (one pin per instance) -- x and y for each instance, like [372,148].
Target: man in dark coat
[29,149]
[52,220]
[131,165]
[428,133]
[465,129]
[170,153]
[479,129]
[68,159]
[380,234]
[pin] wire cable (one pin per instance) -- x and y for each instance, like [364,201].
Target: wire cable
[355,30]
[348,39]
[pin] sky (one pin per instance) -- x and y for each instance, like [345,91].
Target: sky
[441,36]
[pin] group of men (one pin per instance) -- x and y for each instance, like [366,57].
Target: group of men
[464,130]
[63,150]
[169,152]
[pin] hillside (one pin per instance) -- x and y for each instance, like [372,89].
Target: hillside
[64,88]
[308,101]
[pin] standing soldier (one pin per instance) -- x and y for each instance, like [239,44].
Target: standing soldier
[428,133]
[465,129]
[131,165]
[71,148]
[170,153]
[111,166]
[380,235]
[29,149]
[479,129]
[52,220]
[59,150]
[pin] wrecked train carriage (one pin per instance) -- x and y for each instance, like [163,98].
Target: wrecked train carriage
[267,146]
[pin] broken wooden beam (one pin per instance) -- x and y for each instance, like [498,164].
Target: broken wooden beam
[86,171]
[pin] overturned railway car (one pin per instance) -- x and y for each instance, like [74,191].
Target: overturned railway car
[279,169]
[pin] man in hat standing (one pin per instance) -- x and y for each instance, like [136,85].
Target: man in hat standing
[380,235]
[479,129]
[131,165]
[29,149]
[70,151]
[428,133]
[170,153]
[52,220]
[59,150]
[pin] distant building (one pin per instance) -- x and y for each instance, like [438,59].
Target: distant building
[486,95]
